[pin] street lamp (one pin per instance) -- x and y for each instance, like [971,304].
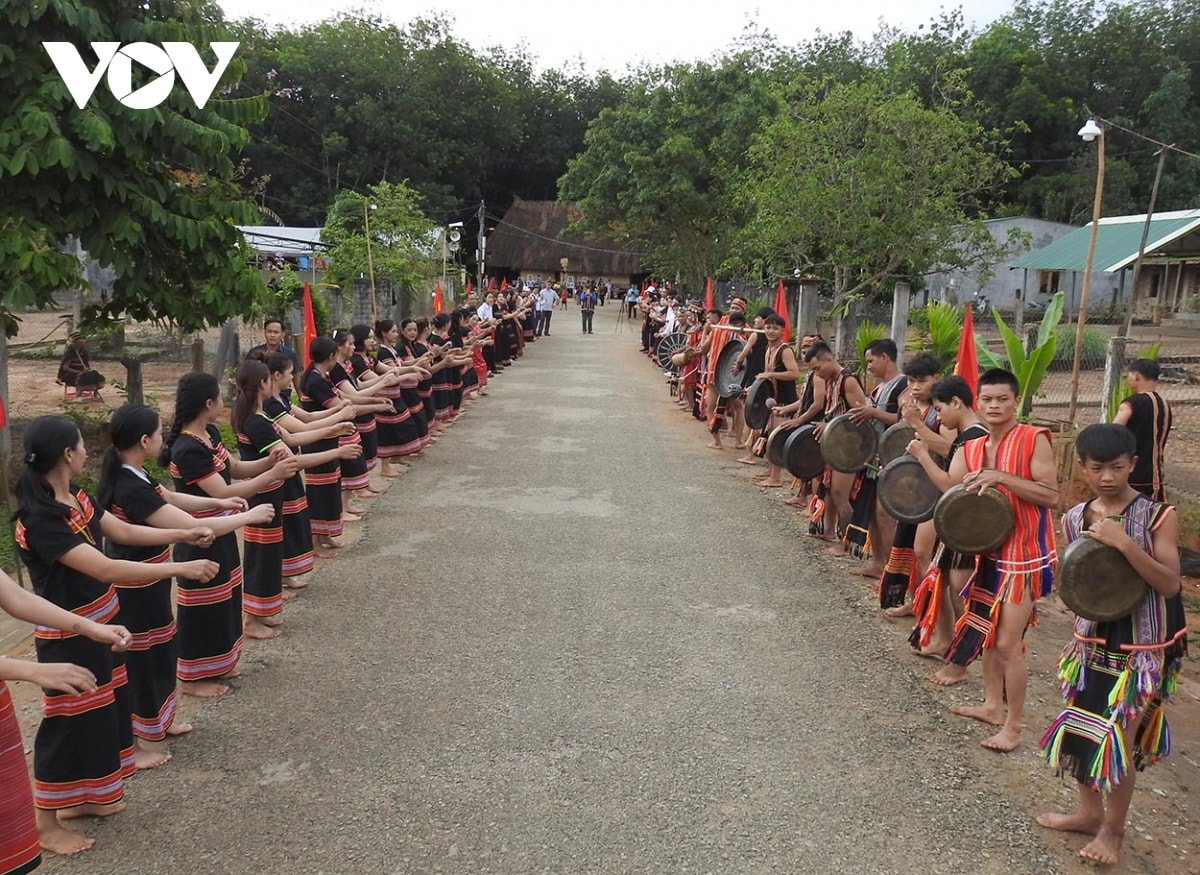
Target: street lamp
[1090,131]
[367,207]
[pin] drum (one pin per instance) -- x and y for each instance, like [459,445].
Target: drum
[757,411]
[802,453]
[848,447]
[1097,582]
[728,383]
[685,355]
[973,522]
[668,346]
[894,442]
[906,492]
[775,442]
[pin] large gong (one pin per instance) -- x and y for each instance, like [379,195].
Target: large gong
[848,446]
[906,492]
[1097,582]
[727,381]
[973,522]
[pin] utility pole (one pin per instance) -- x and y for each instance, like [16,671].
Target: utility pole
[481,252]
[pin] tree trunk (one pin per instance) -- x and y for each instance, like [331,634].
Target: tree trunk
[133,380]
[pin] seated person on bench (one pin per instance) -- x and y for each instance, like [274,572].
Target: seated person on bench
[75,369]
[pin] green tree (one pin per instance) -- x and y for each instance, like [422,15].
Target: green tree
[154,193]
[402,240]
[656,168]
[869,187]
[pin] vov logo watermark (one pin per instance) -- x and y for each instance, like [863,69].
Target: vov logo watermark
[117,60]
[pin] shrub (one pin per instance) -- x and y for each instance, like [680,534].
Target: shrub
[1095,347]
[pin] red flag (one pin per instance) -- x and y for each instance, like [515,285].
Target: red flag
[469,288]
[310,324]
[438,304]
[3,415]
[504,284]
[967,363]
[708,297]
[491,283]
[781,308]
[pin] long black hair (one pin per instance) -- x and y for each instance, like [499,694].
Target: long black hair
[360,334]
[319,351]
[45,441]
[249,379]
[192,395]
[382,327]
[126,428]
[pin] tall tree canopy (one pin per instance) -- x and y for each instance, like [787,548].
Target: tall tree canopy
[152,192]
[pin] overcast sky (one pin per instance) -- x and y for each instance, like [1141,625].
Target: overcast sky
[620,34]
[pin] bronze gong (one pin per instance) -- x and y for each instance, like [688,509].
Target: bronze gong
[895,440]
[728,383]
[757,411]
[1097,582]
[906,492]
[775,442]
[848,447]
[973,522]
[802,453]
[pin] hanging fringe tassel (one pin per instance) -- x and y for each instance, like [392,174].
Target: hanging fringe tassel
[1072,670]
[1153,741]
[1110,763]
[927,607]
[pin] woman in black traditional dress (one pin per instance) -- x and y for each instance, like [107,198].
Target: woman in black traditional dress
[129,493]
[420,346]
[417,355]
[399,435]
[210,617]
[459,339]
[356,476]
[362,368]
[20,850]
[299,428]
[447,382]
[84,746]
[322,482]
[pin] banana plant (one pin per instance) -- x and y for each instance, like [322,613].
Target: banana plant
[1030,368]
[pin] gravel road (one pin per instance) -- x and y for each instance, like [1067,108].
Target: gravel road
[573,640]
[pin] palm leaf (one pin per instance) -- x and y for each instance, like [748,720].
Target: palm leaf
[1051,318]
[1012,344]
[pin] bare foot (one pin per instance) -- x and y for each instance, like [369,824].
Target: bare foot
[796,501]
[1105,848]
[203,689]
[254,628]
[57,839]
[390,472]
[817,537]
[276,620]
[332,544]
[149,759]
[91,809]
[1004,741]
[288,594]
[982,713]
[904,610]
[933,651]
[948,675]
[839,549]
[176,729]
[368,492]
[713,445]
[1076,821]
[323,552]
[768,484]
[351,517]
[748,460]
[868,571]
[739,446]
[232,673]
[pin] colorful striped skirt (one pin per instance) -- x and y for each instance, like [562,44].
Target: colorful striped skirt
[19,848]
[209,615]
[148,614]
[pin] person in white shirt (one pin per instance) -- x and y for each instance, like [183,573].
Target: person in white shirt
[485,311]
[546,300]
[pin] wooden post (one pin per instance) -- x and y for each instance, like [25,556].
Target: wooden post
[1019,312]
[198,355]
[1114,367]
[900,296]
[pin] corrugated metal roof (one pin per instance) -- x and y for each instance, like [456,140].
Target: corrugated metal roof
[1117,242]
[283,240]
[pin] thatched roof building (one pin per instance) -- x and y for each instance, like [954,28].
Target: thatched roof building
[530,242]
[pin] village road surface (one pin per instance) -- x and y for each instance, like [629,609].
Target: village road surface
[572,641]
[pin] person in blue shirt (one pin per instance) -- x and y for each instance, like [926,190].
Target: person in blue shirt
[274,334]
